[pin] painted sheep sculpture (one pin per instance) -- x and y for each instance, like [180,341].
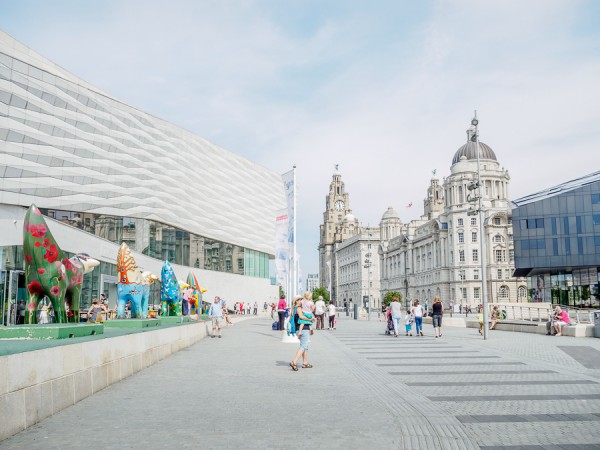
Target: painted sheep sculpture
[48,272]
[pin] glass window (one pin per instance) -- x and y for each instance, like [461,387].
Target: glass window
[539,223]
[476,274]
[553,224]
[565,225]
[499,274]
[555,247]
[475,255]
[524,224]
[499,255]
[567,246]
[597,241]
[474,236]
[476,293]
[462,275]
[460,222]
[461,238]
[595,198]
[511,255]
[578,224]
[503,292]
[580,245]
[497,221]
[473,221]
[596,219]
[461,255]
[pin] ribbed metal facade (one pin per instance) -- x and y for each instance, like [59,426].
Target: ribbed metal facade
[66,145]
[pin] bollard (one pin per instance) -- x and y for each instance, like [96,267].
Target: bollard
[356,311]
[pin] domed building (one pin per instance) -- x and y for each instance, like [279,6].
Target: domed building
[439,254]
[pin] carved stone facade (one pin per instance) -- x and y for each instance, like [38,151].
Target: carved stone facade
[439,253]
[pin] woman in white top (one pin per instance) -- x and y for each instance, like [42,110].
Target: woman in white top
[417,311]
[331,314]
[396,310]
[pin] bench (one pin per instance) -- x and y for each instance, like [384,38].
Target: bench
[574,330]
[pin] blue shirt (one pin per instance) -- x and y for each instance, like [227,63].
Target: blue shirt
[216,310]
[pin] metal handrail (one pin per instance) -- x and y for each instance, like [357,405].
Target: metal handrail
[520,312]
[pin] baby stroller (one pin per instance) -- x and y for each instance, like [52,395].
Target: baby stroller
[389,329]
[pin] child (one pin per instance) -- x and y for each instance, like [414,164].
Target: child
[408,323]
[307,306]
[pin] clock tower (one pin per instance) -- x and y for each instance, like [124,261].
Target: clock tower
[337,207]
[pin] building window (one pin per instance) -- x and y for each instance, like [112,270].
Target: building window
[580,245]
[503,292]
[460,222]
[462,275]
[497,221]
[596,219]
[499,274]
[595,198]
[461,255]
[474,236]
[476,293]
[498,239]
[532,244]
[555,247]
[500,255]
[553,224]
[567,246]
[475,255]
[476,274]
[461,238]
[240,263]
[534,223]
[511,255]
[507,273]
[578,224]
[473,221]
[522,293]
[597,241]
[565,225]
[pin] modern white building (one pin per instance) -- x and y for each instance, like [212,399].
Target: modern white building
[439,254]
[105,172]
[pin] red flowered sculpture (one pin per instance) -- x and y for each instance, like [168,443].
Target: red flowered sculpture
[48,272]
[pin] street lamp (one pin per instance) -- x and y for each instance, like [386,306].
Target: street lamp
[368,265]
[474,137]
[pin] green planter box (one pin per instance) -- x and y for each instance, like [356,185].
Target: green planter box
[51,331]
[132,323]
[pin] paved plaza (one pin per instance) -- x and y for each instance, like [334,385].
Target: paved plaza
[366,390]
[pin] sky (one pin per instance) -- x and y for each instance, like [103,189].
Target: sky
[386,89]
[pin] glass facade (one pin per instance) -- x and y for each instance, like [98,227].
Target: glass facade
[556,243]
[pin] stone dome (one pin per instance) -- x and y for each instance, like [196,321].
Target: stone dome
[349,218]
[469,151]
[390,214]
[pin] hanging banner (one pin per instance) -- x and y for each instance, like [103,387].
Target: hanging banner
[282,247]
[288,185]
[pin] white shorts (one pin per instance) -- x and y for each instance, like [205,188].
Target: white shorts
[216,322]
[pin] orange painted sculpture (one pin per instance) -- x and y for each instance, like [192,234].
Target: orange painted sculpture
[48,272]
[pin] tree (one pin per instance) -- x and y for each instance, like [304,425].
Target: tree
[387,299]
[281,292]
[321,291]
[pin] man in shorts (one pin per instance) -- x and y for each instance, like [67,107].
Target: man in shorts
[216,315]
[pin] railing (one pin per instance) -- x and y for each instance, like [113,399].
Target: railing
[540,313]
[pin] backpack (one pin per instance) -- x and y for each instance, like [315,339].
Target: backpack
[275,326]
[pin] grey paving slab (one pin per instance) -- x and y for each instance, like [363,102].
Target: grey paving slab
[236,392]
[585,355]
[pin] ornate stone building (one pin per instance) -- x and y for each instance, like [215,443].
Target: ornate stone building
[338,224]
[440,253]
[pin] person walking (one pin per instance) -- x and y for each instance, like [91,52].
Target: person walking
[331,314]
[438,311]
[215,313]
[320,312]
[396,312]
[417,312]
[281,308]
[265,308]
[304,337]
[255,308]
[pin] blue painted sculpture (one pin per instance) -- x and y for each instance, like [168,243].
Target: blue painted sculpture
[170,292]
[133,286]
